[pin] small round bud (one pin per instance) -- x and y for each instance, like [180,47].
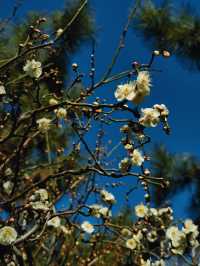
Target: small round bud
[147,172]
[135,64]
[53,101]
[166,53]
[124,129]
[147,197]
[156,52]
[59,32]
[74,66]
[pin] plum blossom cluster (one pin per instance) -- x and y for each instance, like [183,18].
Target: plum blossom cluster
[136,90]
[40,200]
[66,165]
[33,68]
[155,230]
[151,116]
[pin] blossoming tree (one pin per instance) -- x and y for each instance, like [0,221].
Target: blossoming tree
[39,166]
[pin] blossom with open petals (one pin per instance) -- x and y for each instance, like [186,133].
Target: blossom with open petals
[137,158]
[33,68]
[143,84]
[8,235]
[141,210]
[176,236]
[107,196]
[61,113]
[136,90]
[43,124]
[87,227]
[131,243]
[190,227]
[150,117]
[126,91]
[162,109]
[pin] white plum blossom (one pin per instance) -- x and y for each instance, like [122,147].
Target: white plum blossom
[33,68]
[43,124]
[131,243]
[190,227]
[87,227]
[172,233]
[143,84]
[8,235]
[105,212]
[126,232]
[137,158]
[107,196]
[55,222]
[150,117]
[61,113]
[8,187]
[141,210]
[125,91]
[178,239]
[162,109]
[135,90]
[191,230]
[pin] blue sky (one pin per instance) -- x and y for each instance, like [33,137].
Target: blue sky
[175,86]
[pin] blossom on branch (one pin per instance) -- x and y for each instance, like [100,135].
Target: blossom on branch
[107,196]
[150,117]
[87,227]
[43,124]
[8,235]
[141,210]
[126,91]
[162,109]
[33,68]
[131,243]
[61,113]
[137,158]
[136,90]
